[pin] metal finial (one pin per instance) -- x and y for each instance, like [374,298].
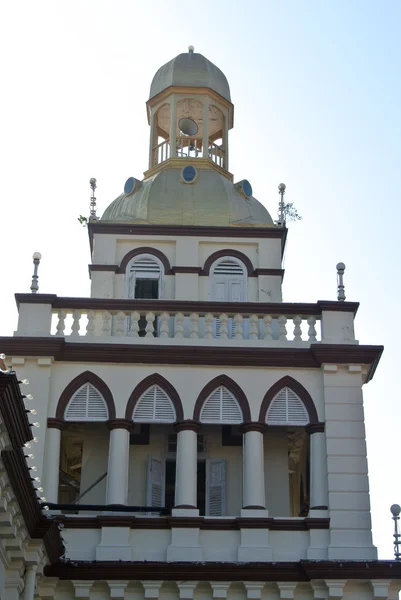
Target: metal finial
[92,207]
[36,260]
[340,282]
[191,49]
[395,511]
[281,191]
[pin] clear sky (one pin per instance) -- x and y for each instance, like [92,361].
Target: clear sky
[317,93]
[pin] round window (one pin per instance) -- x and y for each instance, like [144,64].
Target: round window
[246,186]
[189,174]
[129,186]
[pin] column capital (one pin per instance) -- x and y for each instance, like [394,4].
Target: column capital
[287,589]
[53,423]
[186,589]
[117,588]
[336,588]
[220,588]
[151,588]
[120,424]
[254,589]
[187,425]
[253,426]
[380,588]
[82,588]
[315,428]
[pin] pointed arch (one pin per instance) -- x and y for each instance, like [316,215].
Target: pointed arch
[76,384]
[145,250]
[225,382]
[228,252]
[298,389]
[154,380]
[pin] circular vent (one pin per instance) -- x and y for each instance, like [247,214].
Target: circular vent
[189,174]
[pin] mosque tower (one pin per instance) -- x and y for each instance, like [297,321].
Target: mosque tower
[200,438]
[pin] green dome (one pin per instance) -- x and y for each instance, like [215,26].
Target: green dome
[211,200]
[190,70]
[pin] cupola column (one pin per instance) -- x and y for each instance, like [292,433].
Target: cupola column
[318,467]
[118,465]
[205,117]
[52,459]
[253,467]
[186,466]
[152,139]
[173,126]
[225,140]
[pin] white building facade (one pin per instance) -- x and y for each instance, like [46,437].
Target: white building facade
[200,438]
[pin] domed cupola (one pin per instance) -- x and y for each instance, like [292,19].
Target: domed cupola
[188,181]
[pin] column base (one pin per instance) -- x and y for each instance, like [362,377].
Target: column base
[185,512]
[254,512]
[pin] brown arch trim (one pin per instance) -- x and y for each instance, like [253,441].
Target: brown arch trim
[145,250]
[145,384]
[233,387]
[75,384]
[229,252]
[296,387]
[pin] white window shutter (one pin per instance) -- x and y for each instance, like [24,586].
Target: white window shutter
[287,408]
[146,267]
[228,267]
[154,406]
[215,487]
[87,404]
[221,407]
[155,489]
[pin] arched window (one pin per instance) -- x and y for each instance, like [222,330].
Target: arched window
[144,277]
[154,406]
[228,280]
[87,404]
[287,408]
[221,407]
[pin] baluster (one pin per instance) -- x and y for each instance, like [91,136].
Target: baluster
[150,317]
[253,327]
[179,325]
[283,329]
[76,315]
[297,320]
[194,319]
[90,327]
[61,322]
[164,321]
[238,332]
[120,319]
[106,323]
[223,327]
[208,326]
[134,324]
[312,330]
[268,319]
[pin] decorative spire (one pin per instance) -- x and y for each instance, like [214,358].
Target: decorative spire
[36,260]
[340,282]
[92,207]
[395,511]
[281,206]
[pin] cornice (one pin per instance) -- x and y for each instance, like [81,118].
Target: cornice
[310,358]
[303,570]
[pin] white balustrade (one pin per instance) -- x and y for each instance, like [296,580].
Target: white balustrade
[229,327]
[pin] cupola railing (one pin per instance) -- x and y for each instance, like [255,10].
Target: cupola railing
[188,147]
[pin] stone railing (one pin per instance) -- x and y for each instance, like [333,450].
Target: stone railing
[154,320]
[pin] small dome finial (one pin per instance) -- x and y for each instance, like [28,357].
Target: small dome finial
[191,49]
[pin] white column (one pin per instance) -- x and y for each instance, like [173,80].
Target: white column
[186,466]
[152,136]
[118,465]
[173,126]
[253,467]
[205,122]
[52,460]
[30,581]
[318,468]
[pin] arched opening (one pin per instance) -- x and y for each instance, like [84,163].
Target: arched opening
[144,280]
[287,455]
[85,409]
[228,282]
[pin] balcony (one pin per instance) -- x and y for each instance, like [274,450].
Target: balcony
[169,322]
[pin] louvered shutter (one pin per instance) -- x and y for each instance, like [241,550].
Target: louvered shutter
[215,487]
[287,409]
[228,267]
[221,407]
[146,268]
[155,489]
[154,406]
[87,404]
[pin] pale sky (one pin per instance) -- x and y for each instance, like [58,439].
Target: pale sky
[317,95]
